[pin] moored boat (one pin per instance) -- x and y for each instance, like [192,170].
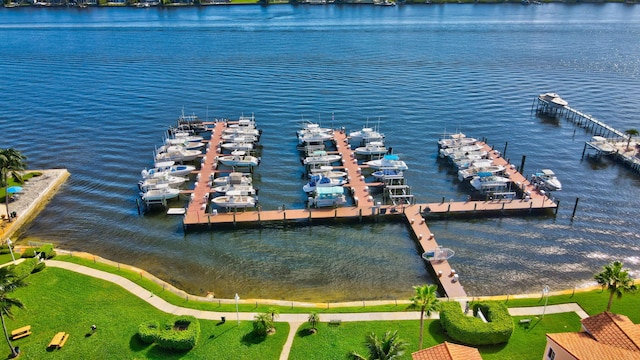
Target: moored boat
[177,154]
[234,178]
[317,181]
[234,200]
[388,161]
[438,254]
[455,140]
[168,167]
[159,181]
[547,180]
[327,171]
[239,158]
[321,157]
[372,148]
[469,173]
[328,196]
[160,193]
[486,183]
[366,135]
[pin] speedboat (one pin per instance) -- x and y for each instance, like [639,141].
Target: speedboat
[244,123]
[159,181]
[234,199]
[468,163]
[317,181]
[388,161]
[547,180]
[602,145]
[234,178]
[189,145]
[232,188]
[458,155]
[245,146]
[239,138]
[488,183]
[238,158]
[469,173]
[328,171]
[372,148]
[467,160]
[553,100]
[387,174]
[366,135]
[455,140]
[168,167]
[438,254]
[460,149]
[177,153]
[328,196]
[313,133]
[241,131]
[310,127]
[321,157]
[160,193]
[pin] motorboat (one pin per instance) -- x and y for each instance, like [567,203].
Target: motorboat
[389,162]
[239,158]
[602,145]
[372,148]
[183,136]
[321,157]
[468,163]
[438,254]
[366,135]
[233,188]
[234,178]
[234,200]
[239,138]
[177,154]
[460,149]
[469,173]
[159,181]
[328,171]
[487,183]
[244,123]
[553,100]
[547,180]
[309,127]
[328,196]
[242,131]
[168,167]
[387,174]
[313,133]
[317,181]
[160,193]
[244,146]
[458,155]
[189,145]
[455,140]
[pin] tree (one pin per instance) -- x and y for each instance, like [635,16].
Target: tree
[8,283]
[388,348]
[616,280]
[630,133]
[11,163]
[313,320]
[274,314]
[426,300]
[262,324]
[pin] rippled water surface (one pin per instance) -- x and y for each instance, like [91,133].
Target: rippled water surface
[93,91]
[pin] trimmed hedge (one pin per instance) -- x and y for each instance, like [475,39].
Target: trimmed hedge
[24,269]
[473,331]
[181,333]
[4,249]
[29,253]
[148,331]
[46,252]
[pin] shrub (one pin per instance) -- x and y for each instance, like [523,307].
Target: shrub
[181,333]
[148,331]
[23,269]
[46,251]
[39,267]
[28,253]
[473,331]
[4,249]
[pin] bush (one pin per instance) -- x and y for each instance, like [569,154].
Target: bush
[39,267]
[180,334]
[46,251]
[4,249]
[23,269]
[28,253]
[148,331]
[473,331]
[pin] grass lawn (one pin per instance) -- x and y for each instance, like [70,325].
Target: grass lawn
[59,300]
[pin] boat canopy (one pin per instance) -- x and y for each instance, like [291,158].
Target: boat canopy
[484,174]
[392,157]
[330,190]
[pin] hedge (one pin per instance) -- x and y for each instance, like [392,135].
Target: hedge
[148,331]
[170,338]
[24,269]
[472,330]
[46,252]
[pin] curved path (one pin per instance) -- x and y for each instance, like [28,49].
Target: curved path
[294,320]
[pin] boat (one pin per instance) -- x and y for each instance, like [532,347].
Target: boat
[546,179]
[372,148]
[469,173]
[328,196]
[242,131]
[239,158]
[468,163]
[244,146]
[387,174]
[160,193]
[234,200]
[487,183]
[460,149]
[602,145]
[468,159]
[366,135]
[155,182]
[455,140]
[234,188]
[313,133]
[553,100]
[321,157]
[327,171]
[388,161]
[239,138]
[317,181]
[309,127]
[244,123]
[185,143]
[177,154]
[234,178]
[168,167]
[438,254]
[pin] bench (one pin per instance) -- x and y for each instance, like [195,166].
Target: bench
[21,332]
[525,321]
[335,322]
[64,340]
[58,340]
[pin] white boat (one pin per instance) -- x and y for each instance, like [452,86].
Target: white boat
[309,127]
[321,157]
[182,135]
[328,196]
[241,131]
[547,180]
[237,189]
[317,181]
[244,123]
[244,146]
[460,149]
[189,145]
[177,154]
[553,100]
[438,254]
[467,163]
[161,193]
[602,145]
[159,181]
[239,138]
[486,183]
[372,148]
[459,155]
[234,178]
[469,173]
[455,140]
[234,200]
[366,135]
[314,137]
[168,167]
[389,162]
[387,174]
[239,158]
[328,171]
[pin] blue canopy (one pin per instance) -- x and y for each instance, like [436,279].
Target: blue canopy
[14,189]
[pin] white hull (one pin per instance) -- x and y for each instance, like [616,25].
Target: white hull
[234,201]
[321,181]
[468,174]
[490,184]
[324,159]
[160,194]
[242,161]
[373,148]
[387,162]
[161,181]
[174,170]
[237,146]
[240,189]
[178,155]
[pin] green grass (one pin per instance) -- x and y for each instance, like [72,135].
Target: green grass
[59,300]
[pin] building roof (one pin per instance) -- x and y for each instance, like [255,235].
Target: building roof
[447,351]
[613,329]
[584,347]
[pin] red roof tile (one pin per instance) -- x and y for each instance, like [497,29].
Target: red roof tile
[613,329]
[447,351]
[582,346]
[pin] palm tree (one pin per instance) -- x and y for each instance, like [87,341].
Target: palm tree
[8,283]
[11,163]
[274,314]
[630,133]
[313,320]
[426,300]
[262,324]
[388,348]
[616,280]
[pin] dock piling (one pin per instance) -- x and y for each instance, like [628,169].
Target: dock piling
[575,206]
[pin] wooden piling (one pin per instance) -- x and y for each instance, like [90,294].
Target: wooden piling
[575,206]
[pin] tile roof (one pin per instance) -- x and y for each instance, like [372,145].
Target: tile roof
[582,346]
[613,329]
[447,351]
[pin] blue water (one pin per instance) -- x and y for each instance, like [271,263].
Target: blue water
[93,90]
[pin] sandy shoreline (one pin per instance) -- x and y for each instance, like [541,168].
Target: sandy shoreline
[36,193]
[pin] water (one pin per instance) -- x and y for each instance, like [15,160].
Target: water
[92,90]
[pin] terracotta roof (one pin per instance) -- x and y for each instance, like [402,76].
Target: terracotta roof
[613,329]
[583,347]
[447,351]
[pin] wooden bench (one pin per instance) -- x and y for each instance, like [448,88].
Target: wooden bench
[64,340]
[21,332]
[335,322]
[58,340]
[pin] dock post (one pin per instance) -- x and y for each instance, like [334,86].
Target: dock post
[234,217]
[442,200]
[138,205]
[310,218]
[449,208]
[584,149]
[521,169]
[475,205]
[574,209]
[504,153]
[360,214]
[557,207]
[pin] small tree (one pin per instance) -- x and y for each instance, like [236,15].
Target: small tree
[313,320]
[616,280]
[8,283]
[274,314]
[388,348]
[262,324]
[630,133]
[426,300]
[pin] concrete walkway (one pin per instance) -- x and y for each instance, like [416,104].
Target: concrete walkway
[294,320]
